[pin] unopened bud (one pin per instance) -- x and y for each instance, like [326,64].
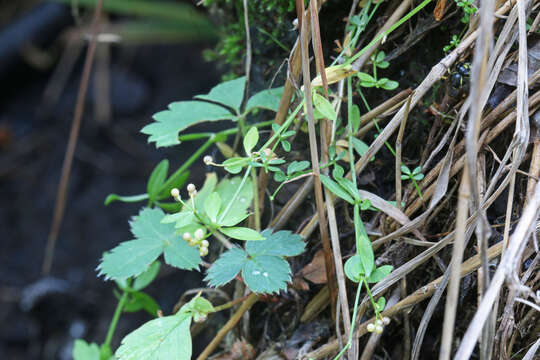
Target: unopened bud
[379,322]
[370,327]
[386,320]
[175,193]
[205,243]
[208,160]
[191,188]
[198,234]
[187,236]
[378,329]
[203,251]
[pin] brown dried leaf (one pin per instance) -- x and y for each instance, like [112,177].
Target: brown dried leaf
[315,270]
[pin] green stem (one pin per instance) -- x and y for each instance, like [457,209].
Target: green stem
[284,126]
[232,131]
[417,189]
[353,323]
[256,199]
[350,129]
[371,298]
[116,316]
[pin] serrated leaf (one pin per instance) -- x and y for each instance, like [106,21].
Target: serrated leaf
[242,233]
[164,338]
[212,205]
[353,268]
[146,277]
[128,199]
[251,139]
[324,107]
[266,274]
[179,254]
[226,267]
[336,189]
[157,179]
[130,258]
[181,115]
[267,99]
[280,243]
[84,351]
[379,273]
[229,93]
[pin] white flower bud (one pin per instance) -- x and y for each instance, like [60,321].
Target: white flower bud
[200,318]
[187,236]
[378,329]
[208,160]
[205,243]
[203,251]
[379,322]
[175,193]
[370,327]
[199,234]
[191,188]
[386,320]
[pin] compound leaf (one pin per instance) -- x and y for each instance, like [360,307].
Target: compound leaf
[84,351]
[242,233]
[130,258]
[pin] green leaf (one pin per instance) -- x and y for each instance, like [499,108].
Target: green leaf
[405,177]
[266,274]
[348,186]
[381,303]
[380,56]
[163,338]
[280,243]
[175,181]
[85,351]
[251,139]
[181,115]
[128,199]
[235,164]
[405,169]
[229,93]
[365,251]
[146,277]
[366,78]
[383,64]
[241,233]
[324,107]
[389,84]
[417,170]
[355,118]
[336,189]
[157,179]
[141,301]
[181,218]
[286,145]
[279,176]
[267,99]
[360,147]
[225,268]
[418,177]
[226,189]
[208,187]
[131,258]
[233,218]
[354,269]
[379,273]
[297,166]
[212,205]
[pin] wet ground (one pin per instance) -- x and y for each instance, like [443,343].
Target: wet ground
[40,316]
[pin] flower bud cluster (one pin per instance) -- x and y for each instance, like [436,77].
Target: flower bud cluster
[197,239]
[378,326]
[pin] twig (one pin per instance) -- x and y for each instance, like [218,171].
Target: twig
[61,195]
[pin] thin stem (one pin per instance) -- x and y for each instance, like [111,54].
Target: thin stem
[284,126]
[230,304]
[350,129]
[417,188]
[377,312]
[256,199]
[351,332]
[116,316]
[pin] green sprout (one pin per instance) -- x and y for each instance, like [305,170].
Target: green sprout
[414,176]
